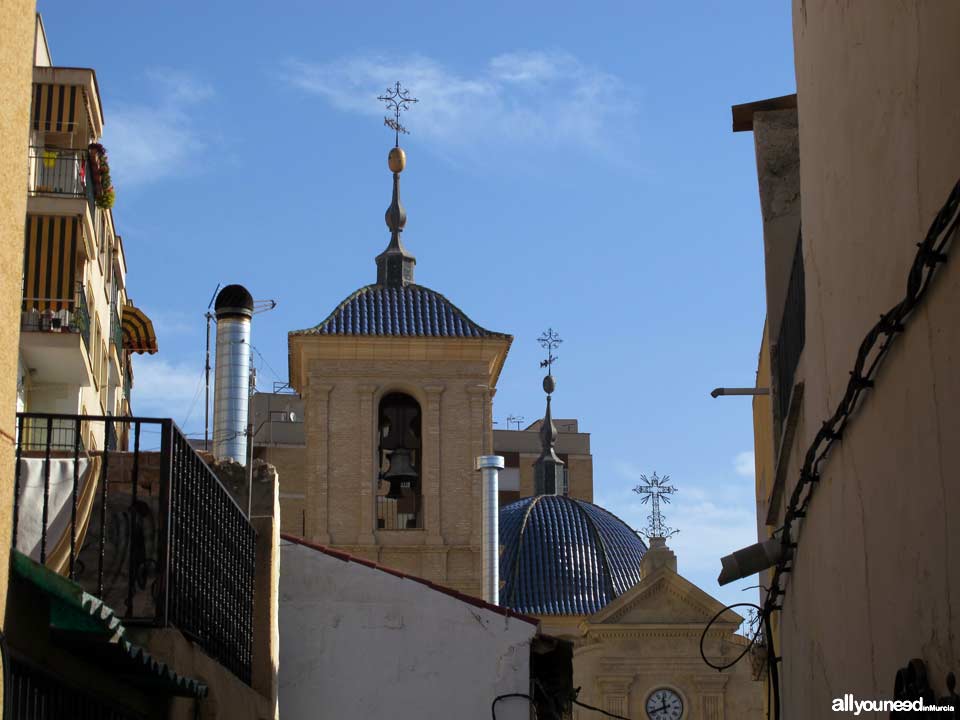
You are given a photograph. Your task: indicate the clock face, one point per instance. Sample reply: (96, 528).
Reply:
(664, 704)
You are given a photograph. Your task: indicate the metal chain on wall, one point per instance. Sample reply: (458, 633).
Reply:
(876, 344)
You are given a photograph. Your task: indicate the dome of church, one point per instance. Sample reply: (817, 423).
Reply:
(399, 310)
(563, 556)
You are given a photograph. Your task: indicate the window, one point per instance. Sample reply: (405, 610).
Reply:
(791, 337)
(399, 456)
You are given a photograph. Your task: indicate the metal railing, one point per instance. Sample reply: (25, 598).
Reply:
(792, 334)
(73, 316)
(56, 171)
(40, 695)
(151, 531)
(400, 514)
(116, 331)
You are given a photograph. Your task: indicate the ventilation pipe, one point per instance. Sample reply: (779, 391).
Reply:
(489, 467)
(231, 390)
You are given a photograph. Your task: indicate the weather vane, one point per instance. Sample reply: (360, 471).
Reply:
(398, 100)
(549, 341)
(656, 488)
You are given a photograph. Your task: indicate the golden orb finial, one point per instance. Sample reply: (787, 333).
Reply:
(397, 160)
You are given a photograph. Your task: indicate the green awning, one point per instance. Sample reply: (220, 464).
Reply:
(84, 621)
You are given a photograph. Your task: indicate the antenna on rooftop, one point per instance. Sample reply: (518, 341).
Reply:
(514, 420)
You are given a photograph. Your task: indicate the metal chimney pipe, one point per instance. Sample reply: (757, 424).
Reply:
(234, 308)
(489, 467)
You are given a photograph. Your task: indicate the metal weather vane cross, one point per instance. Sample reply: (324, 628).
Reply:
(549, 341)
(656, 488)
(397, 100)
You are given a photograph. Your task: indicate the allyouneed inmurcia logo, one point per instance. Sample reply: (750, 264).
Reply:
(849, 704)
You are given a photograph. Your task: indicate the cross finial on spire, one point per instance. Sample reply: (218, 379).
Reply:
(549, 341)
(657, 489)
(397, 100)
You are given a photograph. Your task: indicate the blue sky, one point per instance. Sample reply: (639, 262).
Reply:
(570, 165)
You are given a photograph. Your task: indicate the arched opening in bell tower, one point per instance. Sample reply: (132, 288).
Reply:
(399, 461)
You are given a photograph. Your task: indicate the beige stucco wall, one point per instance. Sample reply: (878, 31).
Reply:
(227, 696)
(358, 642)
(342, 382)
(16, 60)
(875, 579)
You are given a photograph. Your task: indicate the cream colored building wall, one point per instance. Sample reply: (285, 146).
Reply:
(357, 642)
(875, 581)
(345, 379)
(291, 467)
(17, 20)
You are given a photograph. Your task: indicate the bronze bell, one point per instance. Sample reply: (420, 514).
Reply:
(400, 471)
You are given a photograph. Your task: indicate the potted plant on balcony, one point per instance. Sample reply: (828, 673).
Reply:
(104, 193)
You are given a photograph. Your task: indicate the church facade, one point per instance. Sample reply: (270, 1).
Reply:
(397, 386)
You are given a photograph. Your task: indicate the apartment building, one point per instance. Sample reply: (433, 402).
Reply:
(138, 587)
(78, 327)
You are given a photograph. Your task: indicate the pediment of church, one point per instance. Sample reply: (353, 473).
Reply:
(663, 598)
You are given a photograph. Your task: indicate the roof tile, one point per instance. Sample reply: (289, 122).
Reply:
(407, 311)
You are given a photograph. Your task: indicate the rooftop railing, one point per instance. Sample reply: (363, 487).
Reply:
(150, 530)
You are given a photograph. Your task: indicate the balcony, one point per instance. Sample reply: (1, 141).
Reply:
(149, 530)
(55, 337)
(55, 171)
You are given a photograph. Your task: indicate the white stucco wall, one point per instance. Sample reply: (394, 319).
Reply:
(357, 642)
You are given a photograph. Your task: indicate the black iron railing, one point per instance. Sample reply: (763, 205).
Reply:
(62, 315)
(40, 695)
(792, 334)
(151, 531)
(116, 331)
(56, 171)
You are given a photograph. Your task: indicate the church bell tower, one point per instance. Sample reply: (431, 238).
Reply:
(398, 385)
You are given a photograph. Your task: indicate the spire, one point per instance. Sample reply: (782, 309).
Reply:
(549, 473)
(395, 264)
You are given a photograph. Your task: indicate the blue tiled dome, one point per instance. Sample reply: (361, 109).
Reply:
(406, 310)
(561, 556)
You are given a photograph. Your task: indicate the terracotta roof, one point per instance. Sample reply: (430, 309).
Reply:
(406, 311)
(469, 599)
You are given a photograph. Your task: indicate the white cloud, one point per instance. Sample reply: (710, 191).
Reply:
(743, 464)
(166, 390)
(543, 99)
(150, 140)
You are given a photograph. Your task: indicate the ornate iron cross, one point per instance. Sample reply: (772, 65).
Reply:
(397, 100)
(549, 341)
(656, 489)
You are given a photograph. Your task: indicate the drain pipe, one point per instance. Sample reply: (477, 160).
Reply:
(489, 467)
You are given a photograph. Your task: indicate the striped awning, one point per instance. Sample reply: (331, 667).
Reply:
(50, 263)
(56, 107)
(138, 334)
